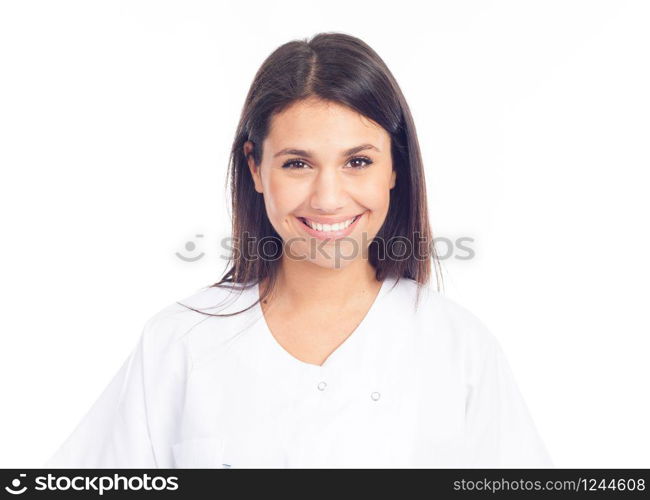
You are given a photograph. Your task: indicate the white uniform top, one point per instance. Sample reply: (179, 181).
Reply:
(408, 388)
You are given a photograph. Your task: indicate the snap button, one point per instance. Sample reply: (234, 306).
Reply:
(375, 396)
(321, 386)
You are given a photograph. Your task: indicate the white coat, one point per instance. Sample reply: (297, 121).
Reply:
(408, 388)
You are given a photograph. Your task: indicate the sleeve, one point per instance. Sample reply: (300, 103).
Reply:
(500, 431)
(115, 432)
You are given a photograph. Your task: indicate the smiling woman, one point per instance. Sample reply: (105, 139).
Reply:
(329, 346)
(326, 190)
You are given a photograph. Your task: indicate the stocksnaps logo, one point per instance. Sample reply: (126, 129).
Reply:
(15, 488)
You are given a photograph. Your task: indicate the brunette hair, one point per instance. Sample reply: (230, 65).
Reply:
(343, 69)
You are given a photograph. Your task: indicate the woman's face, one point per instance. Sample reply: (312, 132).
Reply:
(324, 163)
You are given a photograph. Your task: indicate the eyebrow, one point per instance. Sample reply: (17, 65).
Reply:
(309, 154)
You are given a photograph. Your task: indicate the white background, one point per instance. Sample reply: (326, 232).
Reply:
(116, 120)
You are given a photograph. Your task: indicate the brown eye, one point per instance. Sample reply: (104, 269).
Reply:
(358, 163)
(291, 164)
(366, 162)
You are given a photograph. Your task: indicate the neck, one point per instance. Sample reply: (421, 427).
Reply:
(304, 285)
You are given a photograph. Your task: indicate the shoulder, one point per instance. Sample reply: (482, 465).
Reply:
(448, 333)
(171, 325)
(444, 319)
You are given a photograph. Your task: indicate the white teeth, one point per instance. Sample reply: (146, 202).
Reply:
(329, 227)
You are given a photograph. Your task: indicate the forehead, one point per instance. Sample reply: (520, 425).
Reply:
(314, 124)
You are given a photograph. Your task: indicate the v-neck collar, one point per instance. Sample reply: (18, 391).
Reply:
(336, 357)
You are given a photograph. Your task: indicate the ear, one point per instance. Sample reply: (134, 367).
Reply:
(254, 169)
(393, 177)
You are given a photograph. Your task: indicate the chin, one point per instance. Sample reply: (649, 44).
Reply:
(332, 263)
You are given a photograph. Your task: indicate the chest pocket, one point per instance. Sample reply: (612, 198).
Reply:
(199, 453)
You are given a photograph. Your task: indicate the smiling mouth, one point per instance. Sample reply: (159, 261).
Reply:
(329, 228)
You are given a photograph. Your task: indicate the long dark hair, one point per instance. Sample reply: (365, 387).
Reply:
(340, 68)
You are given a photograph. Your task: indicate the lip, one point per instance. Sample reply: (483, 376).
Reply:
(330, 235)
(329, 220)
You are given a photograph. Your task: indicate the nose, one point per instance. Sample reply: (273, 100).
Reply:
(329, 193)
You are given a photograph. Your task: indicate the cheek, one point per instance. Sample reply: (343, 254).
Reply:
(281, 196)
(374, 194)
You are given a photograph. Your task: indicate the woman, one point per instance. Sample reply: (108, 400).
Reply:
(324, 345)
